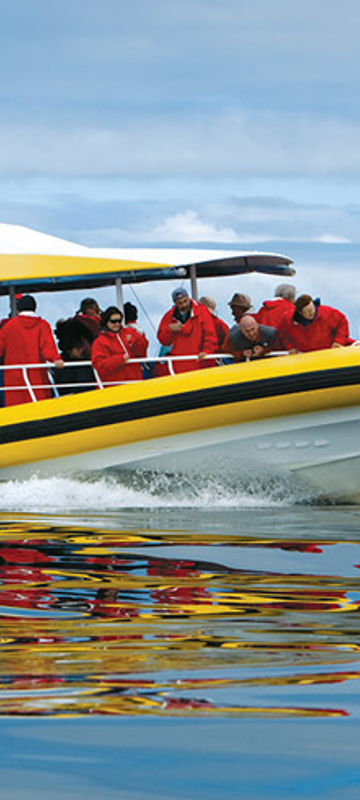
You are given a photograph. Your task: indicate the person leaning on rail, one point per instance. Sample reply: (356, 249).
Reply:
(27, 339)
(314, 327)
(249, 340)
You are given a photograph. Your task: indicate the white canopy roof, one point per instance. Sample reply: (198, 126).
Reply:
(35, 261)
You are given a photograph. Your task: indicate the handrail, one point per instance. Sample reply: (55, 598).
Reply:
(30, 388)
(142, 360)
(98, 383)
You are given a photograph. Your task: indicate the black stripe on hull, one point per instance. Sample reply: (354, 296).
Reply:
(185, 401)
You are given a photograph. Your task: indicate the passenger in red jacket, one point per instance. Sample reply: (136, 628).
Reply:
(221, 328)
(114, 347)
(314, 327)
(189, 329)
(89, 315)
(240, 305)
(27, 339)
(272, 311)
(131, 321)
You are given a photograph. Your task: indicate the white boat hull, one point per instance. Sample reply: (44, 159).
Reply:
(296, 414)
(321, 448)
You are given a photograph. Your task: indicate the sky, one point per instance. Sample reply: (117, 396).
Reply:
(168, 122)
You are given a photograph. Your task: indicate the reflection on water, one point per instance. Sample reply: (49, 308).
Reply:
(188, 622)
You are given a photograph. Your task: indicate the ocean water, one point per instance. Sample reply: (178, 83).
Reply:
(165, 637)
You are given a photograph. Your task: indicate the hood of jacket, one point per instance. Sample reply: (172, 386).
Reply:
(29, 320)
(271, 304)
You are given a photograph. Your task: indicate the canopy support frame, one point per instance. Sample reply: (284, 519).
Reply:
(193, 282)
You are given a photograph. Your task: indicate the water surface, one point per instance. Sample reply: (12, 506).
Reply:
(221, 620)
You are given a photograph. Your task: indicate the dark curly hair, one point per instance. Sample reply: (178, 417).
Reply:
(130, 312)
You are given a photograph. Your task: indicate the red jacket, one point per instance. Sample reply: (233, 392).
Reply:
(272, 312)
(140, 341)
(329, 326)
(197, 335)
(222, 330)
(93, 324)
(26, 339)
(109, 351)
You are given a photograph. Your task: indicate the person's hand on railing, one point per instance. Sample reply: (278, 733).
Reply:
(59, 363)
(258, 351)
(202, 356)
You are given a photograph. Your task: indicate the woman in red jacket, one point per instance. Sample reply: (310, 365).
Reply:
(114, 347)
(314, 327)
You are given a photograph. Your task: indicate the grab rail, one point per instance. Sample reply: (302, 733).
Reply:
(97, 383)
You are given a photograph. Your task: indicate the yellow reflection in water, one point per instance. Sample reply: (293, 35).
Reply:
(88, 626)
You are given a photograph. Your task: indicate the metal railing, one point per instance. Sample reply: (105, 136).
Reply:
(98, 383)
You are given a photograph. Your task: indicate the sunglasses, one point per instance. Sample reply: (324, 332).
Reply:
(115, 320)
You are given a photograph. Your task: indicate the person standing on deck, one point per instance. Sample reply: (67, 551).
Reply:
(131, 322)
(240, 305)
(27, 339)
(273, 311)
(189, 328)
(115, 347)
(89, 314)
(221, 328)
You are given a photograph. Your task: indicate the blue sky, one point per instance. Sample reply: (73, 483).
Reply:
(160, 121)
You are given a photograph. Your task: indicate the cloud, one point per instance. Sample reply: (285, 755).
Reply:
(231, 144)
(188, 227)
(232, 221)
(329, 238)
(104, 213)
(86, 55)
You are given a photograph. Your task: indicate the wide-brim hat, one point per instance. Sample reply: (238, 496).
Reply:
(240, 300)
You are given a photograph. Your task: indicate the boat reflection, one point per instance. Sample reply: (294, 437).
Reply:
(94, 622)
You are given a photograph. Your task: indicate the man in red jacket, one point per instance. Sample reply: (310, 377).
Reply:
(27, 339)
(240, 305)
(272, 311)
(189, 329)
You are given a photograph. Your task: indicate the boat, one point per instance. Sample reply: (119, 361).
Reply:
(298, 414)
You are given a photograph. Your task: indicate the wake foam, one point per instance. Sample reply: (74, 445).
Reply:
(144, 489)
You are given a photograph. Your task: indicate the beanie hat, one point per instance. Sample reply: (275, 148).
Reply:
(26, 303)
(178, 293)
